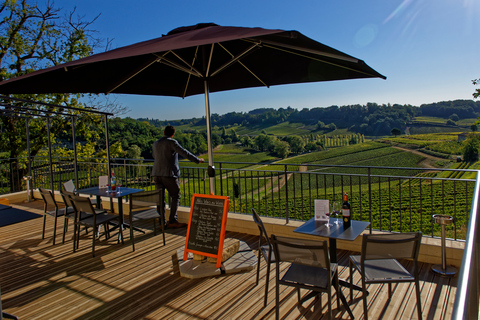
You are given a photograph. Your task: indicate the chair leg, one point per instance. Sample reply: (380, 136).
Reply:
(74, 234)
(93, 239)
(277, 300)
(267, 282)
(329, 302)
(419, 301)
(258, 266)
(337, 288)
(130, 220)
(44, 222)
(65, 228)
(350, 267)
(55, 230)
(162, 223)
(364, 295)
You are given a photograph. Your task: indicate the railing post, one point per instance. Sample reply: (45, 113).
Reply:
(221, 180)
(286, 195)
(370, 199)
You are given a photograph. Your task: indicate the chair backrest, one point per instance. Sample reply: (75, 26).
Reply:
(261, 227)
(391, 246)
(145, 199)
(69, 186)
(82, 204)
(47, 197)
(67, 198)
(301, 251)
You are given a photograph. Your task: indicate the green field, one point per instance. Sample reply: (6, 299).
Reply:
(397, 204)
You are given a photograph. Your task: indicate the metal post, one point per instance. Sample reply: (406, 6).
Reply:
(209, 138)
(75, 162)
(29, 160)
(443, 269)
(286, 194)
(370, 199)
(50, 154)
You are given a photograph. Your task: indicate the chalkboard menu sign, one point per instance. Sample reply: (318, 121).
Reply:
(206, 227)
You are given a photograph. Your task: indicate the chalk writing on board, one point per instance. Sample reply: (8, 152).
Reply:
(206, 224)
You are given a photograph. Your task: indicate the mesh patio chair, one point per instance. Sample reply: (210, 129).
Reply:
(310, 268)
(69, 186)
(67, 200)
(265, 250)
(49, 201)
(146, 205)
(378, 263)
(95, 220)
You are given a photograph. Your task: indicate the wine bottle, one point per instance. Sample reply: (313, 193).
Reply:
(113, 182)
(346, 212)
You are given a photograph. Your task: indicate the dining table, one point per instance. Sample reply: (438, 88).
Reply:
(334, 232)
(107, 193)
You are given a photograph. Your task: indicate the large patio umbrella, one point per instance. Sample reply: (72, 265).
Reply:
(198, 60)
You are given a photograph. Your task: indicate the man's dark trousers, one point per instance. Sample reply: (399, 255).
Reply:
(173, 187)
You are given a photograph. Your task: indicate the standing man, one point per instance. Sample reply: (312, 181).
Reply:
(166, 170)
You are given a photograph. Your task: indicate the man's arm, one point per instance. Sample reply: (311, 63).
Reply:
(186, 154)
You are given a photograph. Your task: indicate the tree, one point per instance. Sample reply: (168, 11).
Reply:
(34, 36)
(454, 117)
(474, 127)
(396, 132)
(264, 143)
(476, 94)
(311, 146)
(470, 148)
(281, 149)
(296, 143)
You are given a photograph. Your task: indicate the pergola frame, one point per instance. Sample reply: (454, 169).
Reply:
(26, 113)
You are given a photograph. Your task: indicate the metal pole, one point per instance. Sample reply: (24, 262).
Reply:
(50, 154)
(108, 148)
(74, 139)
(209, 137)
(29, 161)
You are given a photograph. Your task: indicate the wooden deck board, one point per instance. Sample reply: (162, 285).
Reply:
(42, 281)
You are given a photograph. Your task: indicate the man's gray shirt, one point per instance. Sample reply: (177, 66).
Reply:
(165, 154)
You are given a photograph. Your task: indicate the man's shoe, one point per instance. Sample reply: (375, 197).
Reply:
(176, 224)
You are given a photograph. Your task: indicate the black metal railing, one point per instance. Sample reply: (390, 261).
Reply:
(391, 198)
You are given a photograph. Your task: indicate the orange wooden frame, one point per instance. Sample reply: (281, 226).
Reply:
(222, 229)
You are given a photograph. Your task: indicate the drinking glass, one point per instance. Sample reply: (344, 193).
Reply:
(119, 184)
(328, 224)
(336, 210)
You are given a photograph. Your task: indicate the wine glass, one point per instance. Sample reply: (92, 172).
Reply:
(119, 184)
(328, 224)
(336, 210)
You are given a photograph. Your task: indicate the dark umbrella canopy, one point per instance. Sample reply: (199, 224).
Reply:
(197, 60)
(178, 63)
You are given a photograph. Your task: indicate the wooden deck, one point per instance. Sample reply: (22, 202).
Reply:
(43, 281)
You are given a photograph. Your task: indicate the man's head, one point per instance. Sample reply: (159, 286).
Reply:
(169, 131)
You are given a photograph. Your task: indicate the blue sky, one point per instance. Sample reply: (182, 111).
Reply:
(428, 49)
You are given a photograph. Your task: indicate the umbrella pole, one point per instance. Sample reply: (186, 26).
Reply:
(211, 168)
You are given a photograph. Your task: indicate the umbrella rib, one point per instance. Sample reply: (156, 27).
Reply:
(320, 60)
(192, 68)
(321, 53)
(243, 65)
(132, 75)
(235, 58)
(189, 74)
